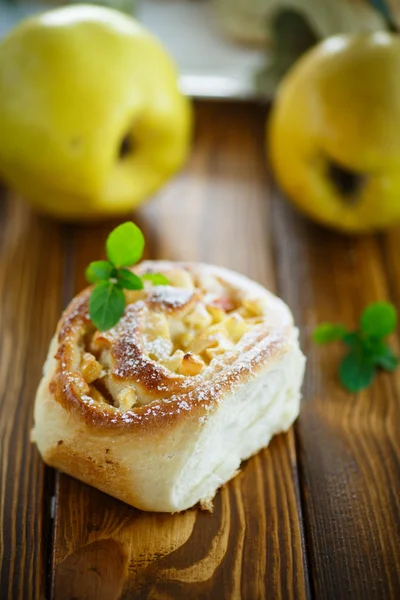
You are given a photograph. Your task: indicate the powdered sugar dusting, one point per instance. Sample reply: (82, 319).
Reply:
(131, 359)
(166, 297)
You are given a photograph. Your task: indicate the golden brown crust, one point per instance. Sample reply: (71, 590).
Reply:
(160, 410)
(169, 395)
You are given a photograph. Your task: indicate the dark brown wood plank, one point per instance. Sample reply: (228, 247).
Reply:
(251, 546)
(30, 300)
(349, 445)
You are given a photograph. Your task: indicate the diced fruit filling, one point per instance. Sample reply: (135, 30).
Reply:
(186, 326)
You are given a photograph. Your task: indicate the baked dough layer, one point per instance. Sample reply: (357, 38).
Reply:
(160, 410)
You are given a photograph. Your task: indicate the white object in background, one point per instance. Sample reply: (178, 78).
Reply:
(210, 66)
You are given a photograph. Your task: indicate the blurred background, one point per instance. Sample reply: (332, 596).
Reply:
(236, 48)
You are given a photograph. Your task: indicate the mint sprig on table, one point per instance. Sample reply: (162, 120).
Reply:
(124, 248)
(367, 346)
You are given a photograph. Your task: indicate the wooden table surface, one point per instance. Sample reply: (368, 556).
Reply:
(317, 514)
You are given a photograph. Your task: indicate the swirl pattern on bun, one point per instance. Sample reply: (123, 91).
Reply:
(160, 410)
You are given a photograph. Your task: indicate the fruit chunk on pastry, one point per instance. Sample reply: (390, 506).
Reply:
(160, 410)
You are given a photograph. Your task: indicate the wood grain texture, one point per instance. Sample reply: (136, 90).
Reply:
(30, 300)
(251, 546)
(349, 445)
(341, 471)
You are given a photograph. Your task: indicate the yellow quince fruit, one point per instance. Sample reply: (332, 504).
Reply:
(91, 117)
(334, 132)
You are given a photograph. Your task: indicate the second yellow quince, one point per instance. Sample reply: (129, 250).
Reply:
(91, 117)
(334, 133)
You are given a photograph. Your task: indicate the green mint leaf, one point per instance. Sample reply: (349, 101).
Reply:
(328, 332)
(353, 340)
(356, 371)
(156, 278)
(128, 280)
(378, 319)
(124, 246)
(374, 350)
(387, 359)
(99, 270)
(367, 349)
(106, 305)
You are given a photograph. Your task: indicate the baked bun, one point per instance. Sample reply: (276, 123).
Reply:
(160, 410)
